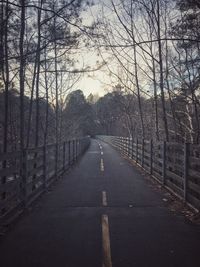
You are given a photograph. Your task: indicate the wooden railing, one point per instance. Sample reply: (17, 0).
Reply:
(25, 175)
(175, 165)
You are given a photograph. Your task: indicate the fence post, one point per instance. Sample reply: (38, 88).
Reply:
(80, 146)
(69, 154)
(64, 155)
(127, 146)
(24, 167)
(164, 162)
(151, 156)
(44, 168)
(127, 142)
(56, 160)
(142, 163)
(136, 150)
(73, 151)
(132, 148)
(76, 149)
(186, 162)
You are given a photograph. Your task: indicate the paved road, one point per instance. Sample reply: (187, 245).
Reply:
(103, 213)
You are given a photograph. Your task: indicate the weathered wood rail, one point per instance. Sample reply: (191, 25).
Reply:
(25, 175)
(175, 165)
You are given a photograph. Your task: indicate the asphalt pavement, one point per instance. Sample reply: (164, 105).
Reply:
(102, 213)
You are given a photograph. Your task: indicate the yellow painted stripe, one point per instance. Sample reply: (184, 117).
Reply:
(102, 165)
(104, 198)
(107, 261)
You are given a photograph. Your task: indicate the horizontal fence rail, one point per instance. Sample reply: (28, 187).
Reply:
(175, 165)
(25, 175)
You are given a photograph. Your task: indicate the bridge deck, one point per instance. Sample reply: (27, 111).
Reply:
(102, 203)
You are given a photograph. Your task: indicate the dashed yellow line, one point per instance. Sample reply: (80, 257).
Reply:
(104, 199)
(107, 261)
(102, 165)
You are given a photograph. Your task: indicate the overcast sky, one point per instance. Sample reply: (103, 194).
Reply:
(98, 81)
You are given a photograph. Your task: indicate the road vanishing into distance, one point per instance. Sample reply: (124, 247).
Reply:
(102, 213)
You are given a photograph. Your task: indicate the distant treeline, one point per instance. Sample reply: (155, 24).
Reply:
(74, 119)
(116, 113)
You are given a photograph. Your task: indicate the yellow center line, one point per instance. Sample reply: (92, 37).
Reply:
(107, 261)
(102, 165)
(101, 152)
(104, 199)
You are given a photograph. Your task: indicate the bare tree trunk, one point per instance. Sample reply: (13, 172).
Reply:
(136, 71)
(168, 85)
(155, 101)
(31, 104)
(155, 93)
(61, 110)
(194, 104)
(37, 117)
(56, 88)
(21, 74)
(138, 92)
(13, 130)
(6, 79)
(161, 73)
(47, 99)
(46, 115)
(2, 38)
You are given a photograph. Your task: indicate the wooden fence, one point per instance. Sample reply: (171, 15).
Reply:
(25, 175)
(175, 165)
